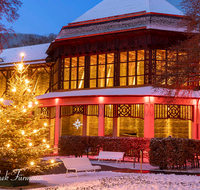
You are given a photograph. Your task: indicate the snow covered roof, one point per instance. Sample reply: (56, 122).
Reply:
(153, 21)
(112, 16)
(140, 91)
(109, 8)
(32, 54)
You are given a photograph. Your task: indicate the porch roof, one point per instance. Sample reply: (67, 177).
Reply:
(35, 54)
(138, 91)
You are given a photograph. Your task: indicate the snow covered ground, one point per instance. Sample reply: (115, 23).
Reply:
(114, 181)
(123, 181)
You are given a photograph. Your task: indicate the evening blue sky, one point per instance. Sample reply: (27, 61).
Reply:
(48, 16)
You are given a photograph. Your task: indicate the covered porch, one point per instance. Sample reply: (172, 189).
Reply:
(120, 112)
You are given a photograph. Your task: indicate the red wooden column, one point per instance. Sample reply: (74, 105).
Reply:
(115, 121)
(101, 126)
(115, 127)
(194, 123)
(198, 120)
(148, 118)
(57, 126)
(84, 125)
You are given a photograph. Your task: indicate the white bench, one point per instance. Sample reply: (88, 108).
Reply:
(79, 165)
(118, 156)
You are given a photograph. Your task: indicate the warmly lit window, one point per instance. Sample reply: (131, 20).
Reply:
(140, 67)
(172, 117)
(93, 71)
(102, 70)
(81, 72)
(110, 70)
(171, 58)
(132, 68)
(165, 61)
(40, 76)
(130, 120)
(123, 68)
(67, 73)
(74, 72)
(161, 62)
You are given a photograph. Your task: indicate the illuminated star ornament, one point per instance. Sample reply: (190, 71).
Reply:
(77, 124)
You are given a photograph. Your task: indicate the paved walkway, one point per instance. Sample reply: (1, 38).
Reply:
(145, 166)
(128, 165)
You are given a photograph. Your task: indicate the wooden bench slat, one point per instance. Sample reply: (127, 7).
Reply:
(79, 164)
(118, 156)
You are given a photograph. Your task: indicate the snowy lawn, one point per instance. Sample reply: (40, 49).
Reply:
(111, 180)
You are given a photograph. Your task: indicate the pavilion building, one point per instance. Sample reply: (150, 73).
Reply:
(102, 66)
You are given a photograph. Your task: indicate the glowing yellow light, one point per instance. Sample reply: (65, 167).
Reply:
(30, 144)
(32, 163)
(22, 54)
(23, 132)
(8, 121)
(14, 89)
(48, 146)
(8, 145)
(45, 124)
(36, 102)
(26, 81)
(52, 161)
(44, 140)
(101, 99)
(28, 90)
(20, 67)
(1, 99)
(35, 131)
(30, 104)
(14, 106)
(24, 110)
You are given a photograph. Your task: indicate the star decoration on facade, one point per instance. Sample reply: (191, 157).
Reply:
(77, 124)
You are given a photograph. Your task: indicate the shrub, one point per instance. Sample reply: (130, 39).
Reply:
(173, 152)
(79, 145)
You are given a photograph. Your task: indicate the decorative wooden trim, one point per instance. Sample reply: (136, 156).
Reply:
(87, 72)
(182, 112)
(125, 110)
(116, 68)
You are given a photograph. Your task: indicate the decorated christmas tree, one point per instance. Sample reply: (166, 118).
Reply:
(23, 130)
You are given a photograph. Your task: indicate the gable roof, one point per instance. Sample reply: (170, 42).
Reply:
(109, 8)
(32, 53)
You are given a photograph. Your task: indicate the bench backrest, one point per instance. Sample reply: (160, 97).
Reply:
(111, 154)
(76, 162)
